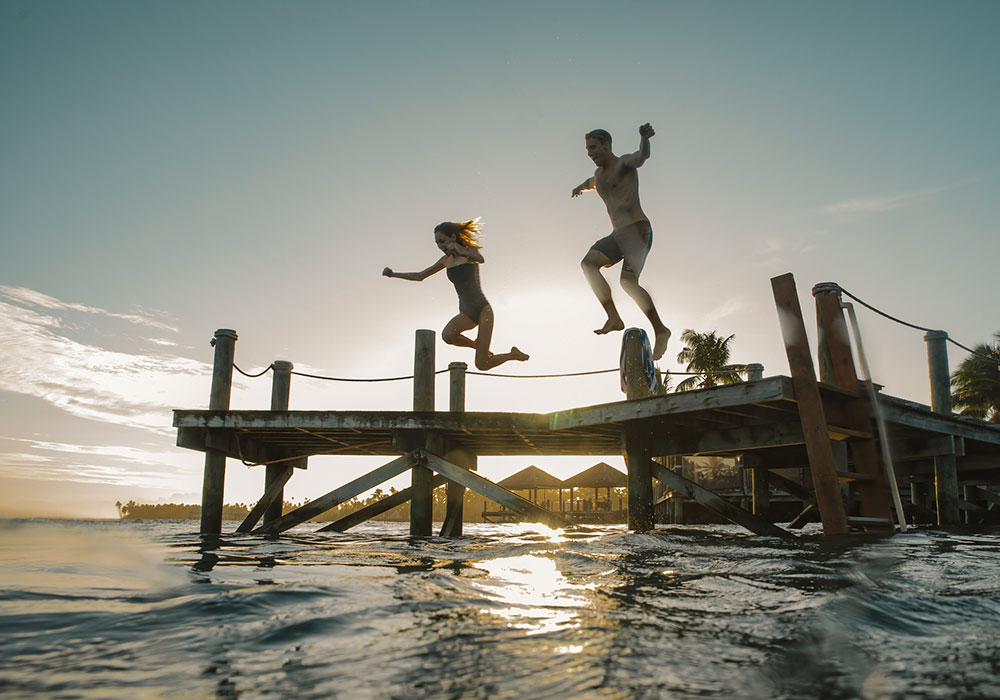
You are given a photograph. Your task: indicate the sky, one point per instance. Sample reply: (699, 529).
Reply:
(170, 168)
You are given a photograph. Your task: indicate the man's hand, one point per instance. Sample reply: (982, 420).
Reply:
(646, 131)
(587, 184)
(387, 272)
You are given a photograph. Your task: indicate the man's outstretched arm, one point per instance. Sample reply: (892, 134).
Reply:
(587, 184)
(634, 160)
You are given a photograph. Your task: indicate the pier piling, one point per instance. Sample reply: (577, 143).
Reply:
(213, 486)
(945, 468)
(454, 511)
(637, 447)
(421, 478)
(281, 382)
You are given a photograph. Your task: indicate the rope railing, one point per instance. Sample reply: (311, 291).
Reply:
(351, 379)
(915, 326)
(735, 370)
(253, 376)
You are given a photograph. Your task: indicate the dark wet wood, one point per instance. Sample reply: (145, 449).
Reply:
(811, 415)
(715, 503)
(373, 510)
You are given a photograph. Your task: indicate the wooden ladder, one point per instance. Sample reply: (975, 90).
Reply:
(835, 413)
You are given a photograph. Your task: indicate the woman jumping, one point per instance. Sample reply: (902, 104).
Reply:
(462, 257)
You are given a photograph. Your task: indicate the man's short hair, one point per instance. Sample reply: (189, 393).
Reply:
(601, 135)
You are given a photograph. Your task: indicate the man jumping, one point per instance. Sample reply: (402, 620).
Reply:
(617, 182)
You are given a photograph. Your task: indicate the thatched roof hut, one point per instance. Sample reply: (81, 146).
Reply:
(530, 478)
(601, 475)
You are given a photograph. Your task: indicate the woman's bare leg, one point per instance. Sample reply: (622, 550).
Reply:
(484, 358)
(591, 264)
(633, 244)
(452, 332)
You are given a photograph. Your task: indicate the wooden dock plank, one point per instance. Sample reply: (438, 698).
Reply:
(769, 389)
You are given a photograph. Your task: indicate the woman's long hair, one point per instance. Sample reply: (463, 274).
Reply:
(465, 232)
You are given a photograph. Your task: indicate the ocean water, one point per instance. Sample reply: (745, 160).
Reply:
(148, 610)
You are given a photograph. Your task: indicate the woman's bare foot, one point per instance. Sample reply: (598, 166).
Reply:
(660, 342)
(613, 324)
(516, 354)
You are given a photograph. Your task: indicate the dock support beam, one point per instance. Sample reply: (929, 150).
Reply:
(810, 406)
(454, 508)
(945, 467)
(421, 478)
(637, 444)
(281, 383)
(213, 486)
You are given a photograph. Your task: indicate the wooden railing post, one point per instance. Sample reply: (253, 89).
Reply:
(213, 486)
(421, 478)
(281, 383)
(637, 449)
(945, 467)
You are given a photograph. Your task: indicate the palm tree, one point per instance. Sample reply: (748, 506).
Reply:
(707, 352)
(975, 385)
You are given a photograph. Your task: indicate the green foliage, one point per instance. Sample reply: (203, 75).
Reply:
(975, 385)
(708, 352)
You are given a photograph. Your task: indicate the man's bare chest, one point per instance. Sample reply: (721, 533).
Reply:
(614, 184)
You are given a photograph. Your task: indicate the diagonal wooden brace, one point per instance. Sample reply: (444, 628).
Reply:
(345, 492)
(473, 481)
(713, 502)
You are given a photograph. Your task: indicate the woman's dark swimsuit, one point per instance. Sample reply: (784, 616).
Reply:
(471, 301)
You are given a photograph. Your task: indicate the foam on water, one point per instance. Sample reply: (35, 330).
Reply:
(146, 609)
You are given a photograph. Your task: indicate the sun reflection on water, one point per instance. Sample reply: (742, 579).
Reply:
(536, 595)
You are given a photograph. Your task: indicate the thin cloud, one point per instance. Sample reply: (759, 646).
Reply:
(130, 389)
(24, 295)
(877, 204)
(729, 307)
(112, 464)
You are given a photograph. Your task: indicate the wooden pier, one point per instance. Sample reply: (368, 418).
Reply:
(860, 446)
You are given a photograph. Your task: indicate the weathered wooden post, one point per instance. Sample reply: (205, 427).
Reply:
(213, 486)
(761, 492)
(810, 406)
(637, 452)
(281, 383)
(945, 467)
(421, 478)
(454, 511)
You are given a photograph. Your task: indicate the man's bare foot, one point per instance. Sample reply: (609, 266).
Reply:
(613, 324)
(660, 342)
(516, 354)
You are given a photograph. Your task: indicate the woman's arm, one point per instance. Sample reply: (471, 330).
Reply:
(416, 276)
